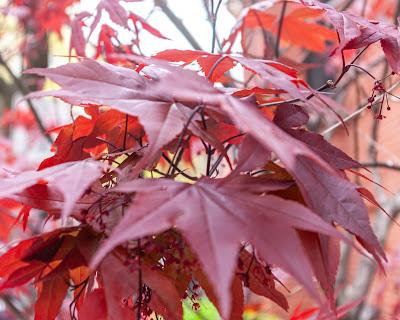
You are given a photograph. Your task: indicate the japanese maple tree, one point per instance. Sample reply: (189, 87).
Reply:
(177, 179)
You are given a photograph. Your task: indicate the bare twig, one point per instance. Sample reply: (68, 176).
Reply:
(11, 306)
(217, 163)
(177, 154)
(362, 282)
(177, 169)
(277, 103)
(178, 24)
(264, 33)
(381, 165)
(367, 268)
(214, 66)
(125, 131)
(347, 5)
(328, 84)
(356, 113)
(280, 26)
(140, 281)
(396, 14)
(214, 14)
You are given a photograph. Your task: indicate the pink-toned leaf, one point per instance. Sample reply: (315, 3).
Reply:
(328, 194)
(119, 284)
(78, 41)
(71, 179)
(218, 213)
(259, 278)
(357, 32)
(167, 299)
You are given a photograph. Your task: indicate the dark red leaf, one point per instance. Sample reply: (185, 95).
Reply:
(159, 205)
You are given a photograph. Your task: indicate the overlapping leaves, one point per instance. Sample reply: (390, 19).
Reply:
(154, 101)
(284, 212)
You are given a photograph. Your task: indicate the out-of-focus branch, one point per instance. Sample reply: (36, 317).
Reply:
(381, 165)
(396, 13)
(280, 26)
(345, 252)
(21, 87)
(366, 269)
(162, 4)
(347, 5)
(214, 14)
(359, 287)
(12, 308)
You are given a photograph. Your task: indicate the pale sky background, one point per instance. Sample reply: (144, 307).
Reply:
(191, 12)
(194, 17)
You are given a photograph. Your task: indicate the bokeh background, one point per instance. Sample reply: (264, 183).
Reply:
(37, 33)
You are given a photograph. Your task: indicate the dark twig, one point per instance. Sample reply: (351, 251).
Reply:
(214, 66)
(347, 5)
(25, 91)
(209, 152)
(177, 169)
(362, 69)
(177, 154)
(140, 281)
(217, 163)
(11, 306)
(311, 95)
(396, 13)
(381, 165)
(280, 26)
(214, 14)
(325, 86)
(346, 68)
(264, 33)
(125, 131)
(359, 110)
(178, 24)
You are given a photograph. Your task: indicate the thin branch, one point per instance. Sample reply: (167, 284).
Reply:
(215, 65)
(347, 5)
(280, 26)
(356, 113)
(177, 169)
(140, 281)
(264, 32)
(362, 69)
(396, 14)
(361, 284)
(180, 139)
(25, 91)
(178, 24)
(364, 7)
(209, 152)
(346, 68)
(217, 163)
(277, 103)
(381, 165)
(214, 14)
(366, 269)
(11, 306)
(345, 250)
(328, 84)
(125, 131)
